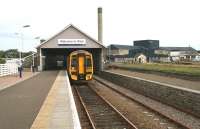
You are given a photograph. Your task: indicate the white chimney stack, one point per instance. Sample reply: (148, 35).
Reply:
(100, 25)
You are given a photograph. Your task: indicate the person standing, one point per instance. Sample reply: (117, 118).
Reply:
(20, 71)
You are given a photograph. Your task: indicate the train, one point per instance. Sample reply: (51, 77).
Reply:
(80, 66)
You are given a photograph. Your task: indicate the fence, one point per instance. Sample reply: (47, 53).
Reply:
(8, 69)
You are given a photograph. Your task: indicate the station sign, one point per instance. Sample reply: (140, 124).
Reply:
(71, 41)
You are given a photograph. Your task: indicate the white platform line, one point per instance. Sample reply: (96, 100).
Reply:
(75, 118)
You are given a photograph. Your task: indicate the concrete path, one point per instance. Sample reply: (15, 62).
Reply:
(20, 104)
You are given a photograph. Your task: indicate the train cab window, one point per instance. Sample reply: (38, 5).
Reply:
(74, 62)
(88, 62)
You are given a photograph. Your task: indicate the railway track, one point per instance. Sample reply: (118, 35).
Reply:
(101, 114)
(180, 125)
(84, 120)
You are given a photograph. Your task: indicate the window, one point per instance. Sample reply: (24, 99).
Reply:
(74, 62)
(88, 62)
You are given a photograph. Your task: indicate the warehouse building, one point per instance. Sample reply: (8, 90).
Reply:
(171, 54)
(117, 53)
(149, 44)
(115, 49)
(143, 50)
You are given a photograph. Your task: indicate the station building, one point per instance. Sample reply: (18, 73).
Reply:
(53, 53)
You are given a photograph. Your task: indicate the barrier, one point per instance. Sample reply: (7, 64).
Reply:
(8, 69)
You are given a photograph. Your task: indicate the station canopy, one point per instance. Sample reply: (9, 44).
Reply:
(53, 53)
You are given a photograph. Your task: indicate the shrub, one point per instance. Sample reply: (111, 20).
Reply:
(2, 61)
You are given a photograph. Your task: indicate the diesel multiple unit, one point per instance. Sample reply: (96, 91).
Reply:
(80, 65)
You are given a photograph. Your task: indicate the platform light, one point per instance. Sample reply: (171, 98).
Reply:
(22, 40)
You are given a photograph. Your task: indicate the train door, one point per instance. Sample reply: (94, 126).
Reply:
(81, 68)
(81, 64)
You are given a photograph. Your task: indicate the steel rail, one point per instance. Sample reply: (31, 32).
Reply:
(115, 109)
(85, 108)
(106, 102)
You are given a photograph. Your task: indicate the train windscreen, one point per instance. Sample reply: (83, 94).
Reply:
(74, 62)
(88, 62)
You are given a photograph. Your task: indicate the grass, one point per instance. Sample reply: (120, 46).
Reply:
(193, 70)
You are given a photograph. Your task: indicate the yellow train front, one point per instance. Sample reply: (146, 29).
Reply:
(80, 66)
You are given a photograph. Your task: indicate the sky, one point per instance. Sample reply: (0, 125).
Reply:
(175, 23)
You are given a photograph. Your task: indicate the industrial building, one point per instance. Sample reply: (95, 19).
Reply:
(141, 51)
(117, 53)
(149, 44)
(146, 47)
(115, 49)
(53, 53)
(170, 54)
(144, 51)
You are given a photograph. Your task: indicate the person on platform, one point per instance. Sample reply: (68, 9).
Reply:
(20, 71)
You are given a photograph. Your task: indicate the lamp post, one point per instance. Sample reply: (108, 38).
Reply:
(33, 55)
(33, 59)
(33, 65)
(109, 53)
(19, 44)
(20, 51)
(22, 40)
(38, 40)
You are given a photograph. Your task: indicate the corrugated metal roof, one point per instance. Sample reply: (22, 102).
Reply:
(177, 48)
(117, 46)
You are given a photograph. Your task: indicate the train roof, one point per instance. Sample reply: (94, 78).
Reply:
(80, 51)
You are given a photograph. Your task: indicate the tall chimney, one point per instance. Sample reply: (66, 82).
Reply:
(100, 25)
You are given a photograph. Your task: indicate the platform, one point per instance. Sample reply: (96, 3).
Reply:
(42, 101)
(10, 80)
(58, 110)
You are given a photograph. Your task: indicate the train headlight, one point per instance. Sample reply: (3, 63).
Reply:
(73, 77)
(88, 77)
